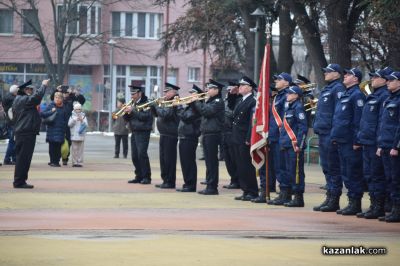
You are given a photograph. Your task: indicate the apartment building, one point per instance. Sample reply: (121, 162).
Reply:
(134, 26)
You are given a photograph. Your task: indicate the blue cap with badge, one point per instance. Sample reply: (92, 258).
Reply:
(355, 72)
(332, 68)
(295, 90)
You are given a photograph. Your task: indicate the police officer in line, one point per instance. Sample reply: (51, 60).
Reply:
(329, 156)
(212, 123)
(241, 135)
(141, 124)
(346, 124)
(232, 99)
(26, 126)
(367, 135)
(292, 142)
(167, 125)
(188, 134)
(282, 82)
(389, 145)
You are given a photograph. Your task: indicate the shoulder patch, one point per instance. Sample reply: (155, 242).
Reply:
(360, 103)
(217, 100)
(302, 116)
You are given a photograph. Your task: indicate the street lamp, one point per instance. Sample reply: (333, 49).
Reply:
(258, 13)
(111, 42)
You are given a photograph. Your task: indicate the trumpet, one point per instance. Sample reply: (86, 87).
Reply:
(121, 112)
(185, 100)
(308, 87)
(146, 106)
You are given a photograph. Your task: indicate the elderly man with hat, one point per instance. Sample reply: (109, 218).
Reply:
(241, 134)
(212, 123)
(26, 126)
(9, 158)
(389, 145)
(188, 134)
(292, 142)
(141, 124)
(277, 162)
(328, 152)
(167, 125)
(346, 124)
(373, 169)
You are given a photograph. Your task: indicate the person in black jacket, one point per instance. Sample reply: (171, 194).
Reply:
(241, 134)
(167, 125)
(141, 124)
(188, 134)
(26, 127)
(212, 123)
(9, 158)
(232, 99)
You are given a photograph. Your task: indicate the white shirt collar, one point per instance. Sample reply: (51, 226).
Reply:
(247, 95)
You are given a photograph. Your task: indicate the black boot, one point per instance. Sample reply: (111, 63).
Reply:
(297, 201)
(371, 207)
(318, 208)
(377, 210)
(388, 204)
(332, 205)
(284, 196)
(261, 197)
(394, 216)
(353, 208)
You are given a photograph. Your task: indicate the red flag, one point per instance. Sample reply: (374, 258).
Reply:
(259, 131)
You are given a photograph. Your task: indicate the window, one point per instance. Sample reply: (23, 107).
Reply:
(6, 21)
(193, 74)
(30, 18)
(80, 19)
(136, 25)
(172, 76)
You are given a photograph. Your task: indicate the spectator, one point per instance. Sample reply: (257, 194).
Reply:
(8, 100)
(78, 124)
(120, 132)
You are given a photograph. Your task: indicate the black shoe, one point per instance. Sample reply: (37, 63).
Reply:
(332, 205)
(208, 191)
(186, 189)
(76, 165)
(204, 182)
(394, 216)
(55, 165)
(135, 181)
(241, 197)
(8, 163)
(261, 198)
(145, 181)
(377, 210)
(65, 162)
(116, 156)
(353, 208)
(231, 186)
(297, 201)
(284, 197)
(318, 208)
(166, 186)
(26, 186)
(249, 197)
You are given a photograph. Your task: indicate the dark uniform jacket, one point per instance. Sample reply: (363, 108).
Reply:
(242, 120)
(120, 126)
(26, 116)
(56, 131)
(297, 120)
(346, 120)
(370, 116)
(389, 127)
(189, 124)
(279, 101)
(167, 120)
(213, 115)
(8, 101)
(327, 101)
(140, 120)
(231, 101)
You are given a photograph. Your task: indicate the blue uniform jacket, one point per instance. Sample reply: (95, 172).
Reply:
(280, 99)
(296, 118)
(346, 120)
(389, 129)
(369, 122)
(327, 101)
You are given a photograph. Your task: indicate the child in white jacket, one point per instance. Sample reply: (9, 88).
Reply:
(78, 124)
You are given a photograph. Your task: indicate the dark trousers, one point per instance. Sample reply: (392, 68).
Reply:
(335, 177)
(395, 186)
(211, 143)
(295, 169)
(124, 139)
(55, 152)
(377, 182)
(10, 153)
(351, 169)
(324, 141)
(140, 159)
(168, 154)
(187, 155)
(271, 175)
(390, 169)
(229, 157)
(24, 147)
(246, 170)
(278, 166)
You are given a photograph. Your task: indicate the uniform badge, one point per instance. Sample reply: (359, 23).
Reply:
(391, 112)
(325, 99)
(372, 108)
(343, 107)
(217, 100)
(360, 103)
(286, 104)
(339, 95)
(302, 116)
